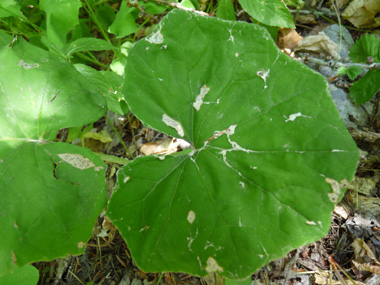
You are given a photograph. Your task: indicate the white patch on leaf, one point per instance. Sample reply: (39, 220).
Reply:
(26, 65)
(242, 184)
(199, 99)
(263, 75)
(174, 124)
(156, 38)
(76, 160)
(336, 187)
(231, 38)
(191, 216)
(191, 239)
(213, 266)
(311, 223)
(294, 116)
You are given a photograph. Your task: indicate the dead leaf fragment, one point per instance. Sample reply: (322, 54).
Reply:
(361, 13)
(320, 44)
(164, 146)
(102, 136)
(288, 38)
(76, 160)
(361, 250)
(367, 267)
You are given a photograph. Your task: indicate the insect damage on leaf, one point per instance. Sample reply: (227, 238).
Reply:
(28, 65)
(76, 160)
(213, 266)
(199, 99)
(174, 124)
(263, 75)
(292, 117)
(191, 216)
(336, 188)
(156, 38)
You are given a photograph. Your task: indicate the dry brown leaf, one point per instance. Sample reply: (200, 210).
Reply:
(319, 43)
(102, 136)
(288, 38)
(164, 146)
(367, 267)
(361, 13)
(361, 250)
(308, 19)
(322, 278)
(362, 185)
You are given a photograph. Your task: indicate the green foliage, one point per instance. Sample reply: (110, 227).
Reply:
(61, 17)
(352, 72)
(226, 10)
(269, 12)
(256, 181)
(125, 21)
(51, 192)
(27, 275)
(366, 87)
(367, 45)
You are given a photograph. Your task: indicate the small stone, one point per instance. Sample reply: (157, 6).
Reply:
(370, 60)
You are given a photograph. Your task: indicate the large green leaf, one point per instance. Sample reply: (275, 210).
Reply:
(267, 144)
(51, 193)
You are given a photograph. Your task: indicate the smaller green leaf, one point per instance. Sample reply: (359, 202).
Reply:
(81, 31)
(187, 4)
(269, 12)
(125, 24)
(109, 84)
(366, 87)
(61, 17)
(342, 70)
(354, 71)
(367, 45)
(77, 133)
(86, 44)
(295, 3)
(26, 275)
(226, 10)
(5, 39)
(106, 16)
(10, 8)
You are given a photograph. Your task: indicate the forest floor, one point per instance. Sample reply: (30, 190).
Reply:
(347, 255)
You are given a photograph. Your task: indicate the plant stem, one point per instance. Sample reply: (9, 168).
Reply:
(95, 61)
(118, 135)
(96, 21)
